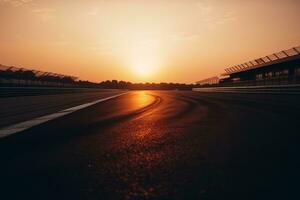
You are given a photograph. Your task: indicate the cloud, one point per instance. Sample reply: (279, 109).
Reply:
(184, 36)
(59, 43)
(212, 16)
(205, 8)
(102, 50)
(17, 3)
(45, 14)
(228, 17)
(93, 12)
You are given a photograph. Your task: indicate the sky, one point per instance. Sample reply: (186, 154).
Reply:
(144, 40)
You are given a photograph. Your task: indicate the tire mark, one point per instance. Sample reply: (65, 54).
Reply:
(125, 117)
(190, 105)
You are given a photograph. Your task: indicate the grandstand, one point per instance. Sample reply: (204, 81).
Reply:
(282, 68)
(10, 75)
(275, 69)
(209, 81)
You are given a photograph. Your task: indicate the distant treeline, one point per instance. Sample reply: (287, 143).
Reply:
(114, 84)
(30, 75)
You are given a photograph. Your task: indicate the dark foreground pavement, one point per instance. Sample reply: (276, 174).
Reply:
(160, 145)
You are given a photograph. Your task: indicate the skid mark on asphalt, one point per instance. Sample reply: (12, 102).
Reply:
(136, 114)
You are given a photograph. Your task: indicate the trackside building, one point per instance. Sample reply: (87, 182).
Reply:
(276, 69)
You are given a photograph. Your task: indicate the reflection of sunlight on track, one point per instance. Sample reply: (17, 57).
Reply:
(143, 119)
(141, 99)
(146, 102)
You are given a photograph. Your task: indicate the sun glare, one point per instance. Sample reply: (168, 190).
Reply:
(143, 70)
(144, 64)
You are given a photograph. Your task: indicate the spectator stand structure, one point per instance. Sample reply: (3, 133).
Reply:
(276, 69)
(275, 73)
(209, 81)
(14, 76)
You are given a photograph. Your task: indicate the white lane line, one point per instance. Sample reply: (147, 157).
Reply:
(6, 131)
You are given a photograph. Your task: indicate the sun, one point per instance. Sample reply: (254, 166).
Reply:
(144, 60)
(143, 70)
(144, 66)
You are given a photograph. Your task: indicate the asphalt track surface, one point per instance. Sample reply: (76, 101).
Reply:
(15, 109)
(160, 145)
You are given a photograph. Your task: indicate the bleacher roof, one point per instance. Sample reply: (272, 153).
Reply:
(280, 57)
(36, 72)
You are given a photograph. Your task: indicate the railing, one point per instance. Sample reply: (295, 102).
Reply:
(264, 60)
(35, 73)
(21, 82)
(266, 89)
(283, 80)
(212, 80)
(15, 76)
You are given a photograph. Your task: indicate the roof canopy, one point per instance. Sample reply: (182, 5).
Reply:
(282, 56)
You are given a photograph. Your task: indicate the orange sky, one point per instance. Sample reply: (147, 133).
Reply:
(143, 40)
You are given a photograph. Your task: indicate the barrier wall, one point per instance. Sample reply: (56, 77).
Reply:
(267, 89)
